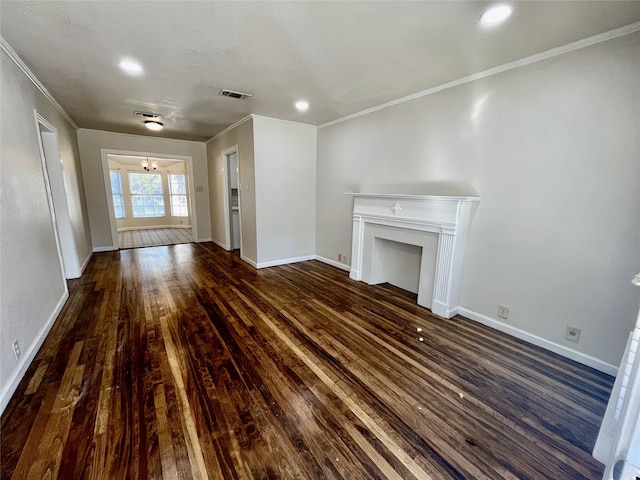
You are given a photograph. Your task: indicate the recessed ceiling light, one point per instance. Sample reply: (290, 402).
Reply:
(495, 15)
(131, 67)
(155, 126)
(302, 106)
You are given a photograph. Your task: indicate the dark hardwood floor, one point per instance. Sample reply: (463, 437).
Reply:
(184, 362)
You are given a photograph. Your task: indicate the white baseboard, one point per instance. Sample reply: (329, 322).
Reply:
(85, 263)
(328, 261)
(541, 342)
(203, 240)
(126, 229)
(285, 261)
(249, 261)
(220, 244)
(17, 375)
(442, 310)
(109, 248)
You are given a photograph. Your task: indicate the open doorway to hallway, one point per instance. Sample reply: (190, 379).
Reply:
(151, 200)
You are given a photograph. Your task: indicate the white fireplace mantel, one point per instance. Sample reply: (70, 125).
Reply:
(415, 220)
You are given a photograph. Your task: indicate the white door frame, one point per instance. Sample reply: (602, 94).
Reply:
(105, 152)
(53, 173)
(226, 196)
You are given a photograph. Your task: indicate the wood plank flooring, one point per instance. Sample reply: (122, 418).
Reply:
(184, 362)
(152, 237)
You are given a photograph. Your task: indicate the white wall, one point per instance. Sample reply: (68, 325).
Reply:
(33, 289)
(285, 165)
(276, 166)
(553, 150)
(92, 141)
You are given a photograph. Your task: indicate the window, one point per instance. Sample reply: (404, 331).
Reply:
(116, 190)
(178, 191)
(147, 199)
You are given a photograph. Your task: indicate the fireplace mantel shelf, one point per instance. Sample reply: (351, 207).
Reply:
(411, 196)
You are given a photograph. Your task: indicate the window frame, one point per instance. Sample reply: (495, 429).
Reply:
(146, 201)
(172, 195)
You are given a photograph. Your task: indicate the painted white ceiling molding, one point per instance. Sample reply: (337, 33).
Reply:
(618, 32)
(22, 66)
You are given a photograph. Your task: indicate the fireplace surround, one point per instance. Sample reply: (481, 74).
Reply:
(436, 224)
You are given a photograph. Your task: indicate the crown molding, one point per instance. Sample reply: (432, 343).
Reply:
(253, 115)
(229, 128)
(122, 134)
(554, 52)
(31, 76)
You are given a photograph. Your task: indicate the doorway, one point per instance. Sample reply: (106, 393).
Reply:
(55, 185)
(232, 204)
(150, 199)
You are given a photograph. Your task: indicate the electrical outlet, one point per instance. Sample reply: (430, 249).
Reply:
(572, 333)
(16, 349)
(503, 311)
(344, 258)
(339, 257)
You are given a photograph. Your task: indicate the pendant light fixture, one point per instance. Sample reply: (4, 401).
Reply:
(149, 166)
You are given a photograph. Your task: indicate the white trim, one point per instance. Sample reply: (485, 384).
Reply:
(285, 261)
(85, 263)
(431, 198)
(515, 332)
(220, 244)
(18, 373)
(202, 240)
(253, 115)
(249, 261)
(104, 154)
(226, 193)
(228, 129)
(333, 263)
(58, 209)
(126, 229)
(142, 136)
(31, 76)
(108, 248)
(579, 357)
(414, 219)
(554, 52)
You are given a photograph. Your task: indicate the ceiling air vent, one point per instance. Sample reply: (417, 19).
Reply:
(230, 93)
(147, 115)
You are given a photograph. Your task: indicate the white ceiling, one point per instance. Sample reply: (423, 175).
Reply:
(342, 57)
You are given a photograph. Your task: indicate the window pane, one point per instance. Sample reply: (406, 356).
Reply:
(116, 185)
(116, 190)
(119, 211)
(179, 206)
(178, 190)
(145, 183)
(177, 184)
(147, 206)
